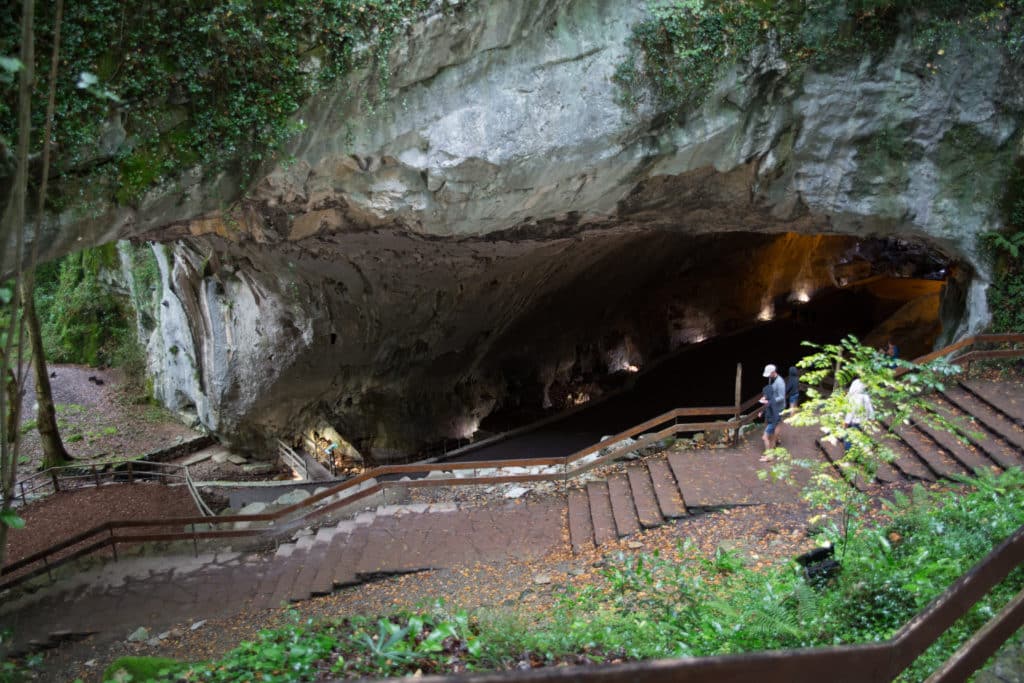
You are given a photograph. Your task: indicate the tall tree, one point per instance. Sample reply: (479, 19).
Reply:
(12, 367)
(54, 453)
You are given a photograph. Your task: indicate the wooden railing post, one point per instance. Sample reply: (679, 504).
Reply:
(113, 541)
(56, 485)
(24, 500)
(739, 403)
(131, 476)
(96, 476)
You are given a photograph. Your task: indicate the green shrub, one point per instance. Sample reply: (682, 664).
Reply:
(685, 45)
(211, 81)
(138, 669)
(83, 320)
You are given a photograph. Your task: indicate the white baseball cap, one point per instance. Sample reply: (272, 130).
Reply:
(768, 370)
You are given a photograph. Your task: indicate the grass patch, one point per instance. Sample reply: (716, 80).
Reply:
(683, 604)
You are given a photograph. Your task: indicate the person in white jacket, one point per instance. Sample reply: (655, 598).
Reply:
(859, 408)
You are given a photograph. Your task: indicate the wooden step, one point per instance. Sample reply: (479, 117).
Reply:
(601, 512)
(907, 461)
(643, 496)
(581, 527)
(939, 461)
(1009, 403)
(834, 452)
(885, 473)
(283, 588)
(302, 589)
(623, 508)
(352, 547)
(968, 455)
(991, 419)
(995, 449)
(272, 570)
(670, 500)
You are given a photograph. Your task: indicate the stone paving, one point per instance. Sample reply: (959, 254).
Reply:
(160, 592)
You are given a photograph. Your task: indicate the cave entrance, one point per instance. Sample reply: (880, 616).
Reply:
(673, 335)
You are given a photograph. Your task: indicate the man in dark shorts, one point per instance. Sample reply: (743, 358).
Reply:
(772, 418)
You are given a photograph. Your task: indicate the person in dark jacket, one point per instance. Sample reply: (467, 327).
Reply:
(772, 419)
(793, 388)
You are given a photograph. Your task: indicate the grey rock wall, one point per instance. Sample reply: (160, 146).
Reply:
(408, 246)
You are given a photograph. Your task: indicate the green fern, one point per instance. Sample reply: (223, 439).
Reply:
(1010, 244)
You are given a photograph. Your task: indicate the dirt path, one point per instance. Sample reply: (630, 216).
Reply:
(96, 419)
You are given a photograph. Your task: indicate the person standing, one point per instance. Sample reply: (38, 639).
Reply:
(772, 418)
(859, 408)
(778, 386)
(793, 388)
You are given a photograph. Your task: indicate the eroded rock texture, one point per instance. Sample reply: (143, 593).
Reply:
(504, 221)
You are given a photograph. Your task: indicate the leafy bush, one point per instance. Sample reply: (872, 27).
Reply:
(83, 320)
(1006, 294)
(686, 44)
(140, 668)
(210, 81)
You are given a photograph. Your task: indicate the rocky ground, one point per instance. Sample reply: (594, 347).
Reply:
(68, 513)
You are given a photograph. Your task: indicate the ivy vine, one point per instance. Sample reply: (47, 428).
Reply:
(685, 45)
(211, 82)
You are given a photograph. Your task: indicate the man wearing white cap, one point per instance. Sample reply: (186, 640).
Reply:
(776, 389)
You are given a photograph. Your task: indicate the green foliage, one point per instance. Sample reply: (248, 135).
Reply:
(215, 82)
(10, 519)
(140, 668)
(17, 670)
(1006, 295)
(82, 319)
(686, 45)
(897, 390)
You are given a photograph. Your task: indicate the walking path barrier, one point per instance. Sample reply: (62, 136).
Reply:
(428, 475)
(86, 475)
(841, 664)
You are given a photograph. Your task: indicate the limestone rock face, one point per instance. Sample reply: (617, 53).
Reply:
(405, 268)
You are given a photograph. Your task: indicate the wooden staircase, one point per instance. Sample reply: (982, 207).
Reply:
(648, 494)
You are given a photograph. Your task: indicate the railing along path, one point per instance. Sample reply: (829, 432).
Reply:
(874, 662)
(370, 482)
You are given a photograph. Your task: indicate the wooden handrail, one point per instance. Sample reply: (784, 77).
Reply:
(111, 537)
(309, 505)
(838, 664)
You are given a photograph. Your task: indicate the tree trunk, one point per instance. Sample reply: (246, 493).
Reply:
(54, 454)
(13, 224)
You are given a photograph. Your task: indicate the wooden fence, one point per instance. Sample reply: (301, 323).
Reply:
(70, 477)
(878, 661)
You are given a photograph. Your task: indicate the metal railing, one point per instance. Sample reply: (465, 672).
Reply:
(293, 460)
(89, 475)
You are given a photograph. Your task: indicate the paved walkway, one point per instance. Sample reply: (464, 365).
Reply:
(163, 591)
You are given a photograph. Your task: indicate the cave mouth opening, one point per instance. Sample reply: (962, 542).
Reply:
(669, 319)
